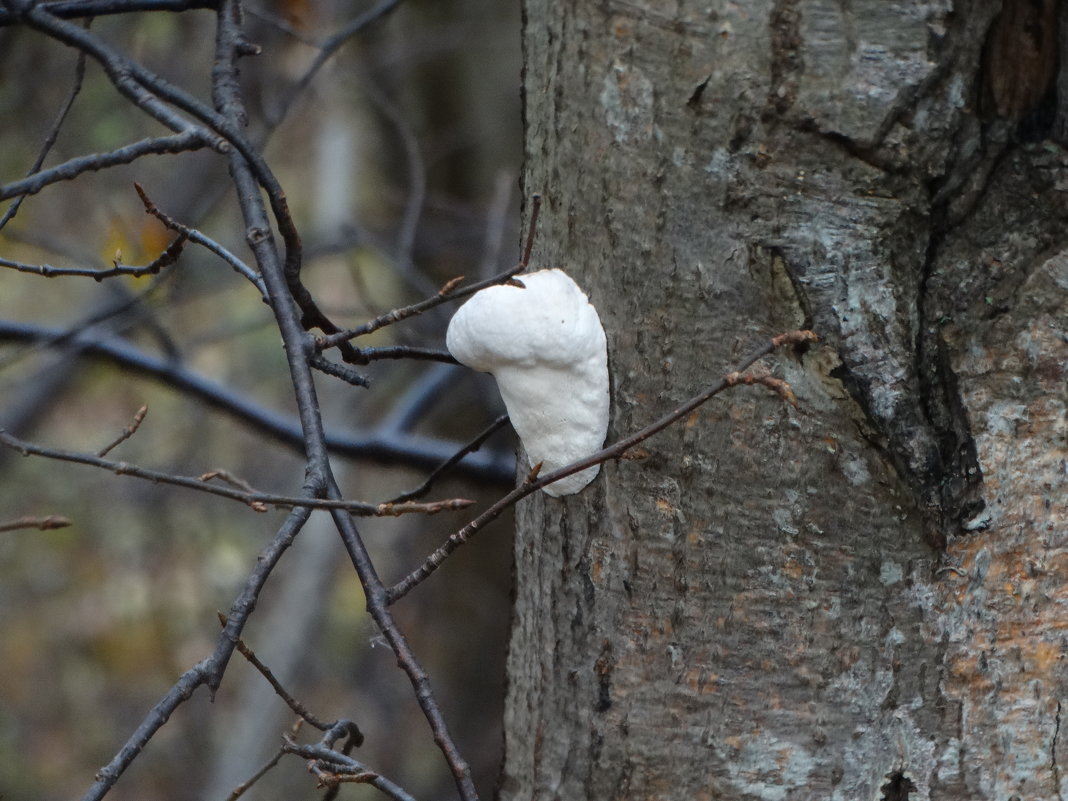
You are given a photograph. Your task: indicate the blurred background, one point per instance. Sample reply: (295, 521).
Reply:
(401, 163)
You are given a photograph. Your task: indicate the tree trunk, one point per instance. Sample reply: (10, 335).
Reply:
(862, 598)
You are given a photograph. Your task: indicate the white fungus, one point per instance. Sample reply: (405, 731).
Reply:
(545, 346)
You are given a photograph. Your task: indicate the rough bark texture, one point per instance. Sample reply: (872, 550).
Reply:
(863, 598)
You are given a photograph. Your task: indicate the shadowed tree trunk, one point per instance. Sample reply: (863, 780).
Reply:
(862, 598)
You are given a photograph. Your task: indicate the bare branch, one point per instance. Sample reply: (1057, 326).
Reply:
(333, 766)
(255, 500)
(388, 446)
(342, 371)
(281, 691)
(319, 478)
(446, 293)
(181, 692)
(776, 385)
(33, 183)
(165, 259)
(74, 9)
(127, 432)
(201, 239)
(378, 608)
(407, 352)
(40, 523)
(143, 88)
(470, 447)
(295, 311)
(416, 169)
(151, 92)
(327, 48)
(242, 788)
(53, 134)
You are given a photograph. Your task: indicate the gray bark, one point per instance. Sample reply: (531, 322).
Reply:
(862, 598)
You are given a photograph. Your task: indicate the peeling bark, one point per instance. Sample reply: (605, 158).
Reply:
(862, 598)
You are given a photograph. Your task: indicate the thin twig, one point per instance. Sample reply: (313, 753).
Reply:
(229, 478)
(450, 291)
(201, 239)
(127, 432)
(353, 739)
(343, 728)
(327, 48)
(330, 766)
(470, 447)
(50, 138)
(281, 277)
(416, 169)
(342, 371)
(178, 143)
(281, 691)
(108, 320)
(165, 259)
(40, 523)
(246, 785)
(614, 451)
(378, 608)
(446, 293)
(368, 355)
(255, 500)
(406, 352)
(74, 9)
(763, 377)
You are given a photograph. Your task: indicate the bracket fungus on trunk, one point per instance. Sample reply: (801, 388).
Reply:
(544, 344)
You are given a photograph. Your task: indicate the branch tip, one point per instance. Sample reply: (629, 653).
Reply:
(801, 337)
(47, 523)
(450, 286)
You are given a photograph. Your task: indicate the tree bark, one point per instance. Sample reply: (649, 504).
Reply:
(862, 598)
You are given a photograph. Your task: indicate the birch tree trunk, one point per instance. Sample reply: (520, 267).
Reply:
(862, 598)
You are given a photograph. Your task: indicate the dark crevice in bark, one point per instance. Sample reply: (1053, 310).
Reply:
(1055, 770)
(869, 429)
(603, 667)
(872, 155)
(930, 447)
(957, 193)
(784, 24)
(742, 131)
(953, 492)
(961, 194)
(898, 787)
(695, 95)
